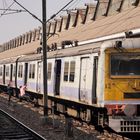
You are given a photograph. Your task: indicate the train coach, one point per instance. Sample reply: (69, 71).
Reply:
(96, 82)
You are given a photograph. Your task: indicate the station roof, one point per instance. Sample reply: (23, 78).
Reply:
(120, 22)
(22, 50)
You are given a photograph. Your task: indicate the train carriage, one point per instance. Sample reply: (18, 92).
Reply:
(29, 72)
(93, 64)
(122, 85)
(86, 81)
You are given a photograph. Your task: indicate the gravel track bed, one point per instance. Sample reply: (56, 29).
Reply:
(33, 118)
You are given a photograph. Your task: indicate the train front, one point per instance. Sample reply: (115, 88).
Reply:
(122, 86)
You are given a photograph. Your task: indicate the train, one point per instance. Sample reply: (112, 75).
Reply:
(97, 82)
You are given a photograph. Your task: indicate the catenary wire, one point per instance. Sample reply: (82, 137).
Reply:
(7, 9)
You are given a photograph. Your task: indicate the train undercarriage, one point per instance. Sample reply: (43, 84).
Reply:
(82, 112)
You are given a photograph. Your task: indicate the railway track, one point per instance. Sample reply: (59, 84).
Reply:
(81, 130)
(11, 129)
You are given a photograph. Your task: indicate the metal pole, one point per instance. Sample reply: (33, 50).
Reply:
(44, 42)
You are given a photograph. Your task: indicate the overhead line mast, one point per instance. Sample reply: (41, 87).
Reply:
(44, 41)
(44, 45)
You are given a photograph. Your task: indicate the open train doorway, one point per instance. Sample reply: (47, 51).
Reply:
(4, 74)
(57, 76)
(11, 72)
(94, 83)
(25, 73)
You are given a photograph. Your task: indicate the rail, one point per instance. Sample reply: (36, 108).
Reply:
(10, 128)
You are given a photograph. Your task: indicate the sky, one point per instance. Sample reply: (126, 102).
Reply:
(13, 25)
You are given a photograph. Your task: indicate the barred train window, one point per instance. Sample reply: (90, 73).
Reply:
(1, 71)
(32, 71)
(128, 64)
(72, 71)
(20, 71)
(49, 71)
(7, 71)
(66, 70)
(69, 71)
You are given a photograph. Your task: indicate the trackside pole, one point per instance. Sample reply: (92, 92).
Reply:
(44, 42)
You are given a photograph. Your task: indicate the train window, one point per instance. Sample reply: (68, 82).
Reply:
(20, 71)
(72, 71)
(32, 71)
(1, 71)
(7, 71)
(128, 64)
(49, 71)
(66, 70)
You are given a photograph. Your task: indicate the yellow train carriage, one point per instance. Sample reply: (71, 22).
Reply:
(122, 85)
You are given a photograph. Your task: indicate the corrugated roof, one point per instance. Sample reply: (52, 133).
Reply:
(21, 50)
(124, 21)
(121, 22)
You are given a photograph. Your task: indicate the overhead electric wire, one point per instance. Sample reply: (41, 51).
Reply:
(2, 9)
(54, 15)
(28, 11)
(7, 9)
(14, 12)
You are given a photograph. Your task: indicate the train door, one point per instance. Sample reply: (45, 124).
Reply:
(11, 72)
(38, 86)
(85, 90)
(84, 76)
(57, 76)
(25, 73)
(3, 74)
(94, 83)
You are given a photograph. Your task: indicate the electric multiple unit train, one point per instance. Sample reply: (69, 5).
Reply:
(95, 81)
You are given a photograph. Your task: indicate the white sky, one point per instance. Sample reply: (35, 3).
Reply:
(13, 25)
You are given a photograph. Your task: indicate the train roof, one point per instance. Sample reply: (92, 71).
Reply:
(8, 60)
(77, 50)
(70, 51)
